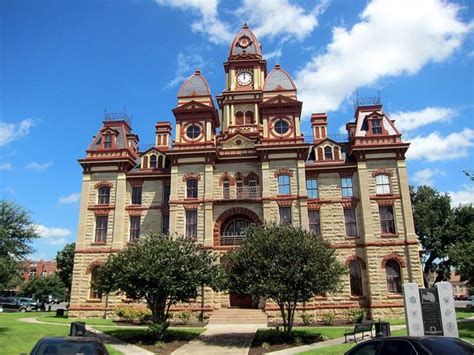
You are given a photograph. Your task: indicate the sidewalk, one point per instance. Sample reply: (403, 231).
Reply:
(232, 339)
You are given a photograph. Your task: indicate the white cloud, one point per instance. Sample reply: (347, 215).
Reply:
(410, 120)
(342, 129)
(47, 232)
(12, 131)
(208, 23)
(69, 199)
(435, 147)
(462, 197)
(426, 176)
(276, 54)
(39, 166)
(273, 18)
(6, 166)
(393, 38)
(186, 64)
(60, 241)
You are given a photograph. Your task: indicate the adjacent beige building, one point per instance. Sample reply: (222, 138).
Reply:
(246, 161)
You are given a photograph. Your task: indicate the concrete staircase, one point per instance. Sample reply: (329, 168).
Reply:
(238, 316)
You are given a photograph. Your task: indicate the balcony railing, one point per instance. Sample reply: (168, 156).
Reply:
(240, 193)
(231, 239)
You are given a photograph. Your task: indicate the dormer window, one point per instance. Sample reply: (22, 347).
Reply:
(153, 161)
(377, 126)
(327, 153)
(108, 141)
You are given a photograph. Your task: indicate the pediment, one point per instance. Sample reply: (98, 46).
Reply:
(328, 141)
(109, 130)
(281, 99)
(192, 105)
(152, 150)
(238, 141)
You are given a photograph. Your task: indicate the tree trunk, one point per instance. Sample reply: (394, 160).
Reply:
(283, 316)
(426, 271)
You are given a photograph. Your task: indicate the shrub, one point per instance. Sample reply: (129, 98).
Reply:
(306, 318)
(133, 314)
(157, 330)
(328, 318)
(355, 315)
(185, 316)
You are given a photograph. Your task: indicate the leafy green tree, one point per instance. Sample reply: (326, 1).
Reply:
(285, 264)
(42, 287)
(65, 263)
(162, 270)
(17, 231)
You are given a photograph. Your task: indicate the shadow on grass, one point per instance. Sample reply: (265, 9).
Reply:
(298, 337)
(141, 336)
(3, 329)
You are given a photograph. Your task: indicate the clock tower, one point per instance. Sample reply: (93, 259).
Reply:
(245, 76)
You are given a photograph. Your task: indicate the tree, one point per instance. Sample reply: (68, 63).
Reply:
(42, 287)
(162, 270)
(65, 263)
(17, 231)
(285, 264)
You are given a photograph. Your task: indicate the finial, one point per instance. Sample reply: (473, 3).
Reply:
(277, 66)
(245, 25)
(197, 72)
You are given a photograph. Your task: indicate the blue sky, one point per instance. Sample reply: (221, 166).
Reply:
(63, 63)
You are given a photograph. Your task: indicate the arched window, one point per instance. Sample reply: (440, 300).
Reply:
(226, 189)
(239, 118)
(394, 277)
(327, 153)
(249, 117)
(355, 274)
(94, 294)
(153, 161)
(103, 195)
(191, 188)
(236, 226)
(239, 185)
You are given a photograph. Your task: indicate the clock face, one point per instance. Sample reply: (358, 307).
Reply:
(244, 78)
(244, 42)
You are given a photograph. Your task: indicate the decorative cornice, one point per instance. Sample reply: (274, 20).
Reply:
(103, 183)
(283, 171)
(388, 172)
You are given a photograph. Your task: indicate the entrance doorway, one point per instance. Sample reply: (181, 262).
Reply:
(242, 301)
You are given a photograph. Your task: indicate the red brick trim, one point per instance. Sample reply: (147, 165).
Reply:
(96, 250)
(191, 206)
(283, 171)
(349, 202)
(396, 257)
(251, 175)
(93, 265)
(191, 176)
(348, 173)
(101, 210)
(351, 258)
(103, 183)
(314, 205)
(136, 182)
(388, 172)
(373, 244)
(134, 212)
(229, 213)
(284, 203)
(228, 177)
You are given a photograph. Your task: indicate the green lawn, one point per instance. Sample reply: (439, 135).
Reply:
(19, 337)
(49, 317)
(464, 313)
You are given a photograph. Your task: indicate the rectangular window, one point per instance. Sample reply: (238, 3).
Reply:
(312, 188)
(387, 221)
(346, 187)
(104, 195)
(165, 224)
(314, 222)
(166, 193)
(136, 195)
(350, 221)
(285, 215)
(108, 141)
(191, 224)
(192, 188)
(283, 185)
(376, 126)
(135, 227)
(101, 229)
(382, 184)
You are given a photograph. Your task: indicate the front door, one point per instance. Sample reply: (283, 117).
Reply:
(241, 301)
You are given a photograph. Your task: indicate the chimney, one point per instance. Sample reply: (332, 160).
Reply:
(163, 134)
(132, 141)
(319, 126)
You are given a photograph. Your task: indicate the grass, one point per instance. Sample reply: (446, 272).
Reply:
(464, 313)
(19, 337)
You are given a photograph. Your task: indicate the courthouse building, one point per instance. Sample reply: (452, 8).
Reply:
(242, 159)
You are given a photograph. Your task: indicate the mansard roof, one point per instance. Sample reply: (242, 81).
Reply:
(253, 47)
(195, 85)
(277, 80)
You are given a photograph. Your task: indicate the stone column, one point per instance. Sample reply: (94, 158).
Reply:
(119, 233)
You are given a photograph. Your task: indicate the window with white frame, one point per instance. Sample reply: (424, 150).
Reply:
(350, 222)
(135, 227)
(285, 215)
(312, 187)
(283, 185)
(346, 187)
(191, 224)
(382, 184)
(314, 221)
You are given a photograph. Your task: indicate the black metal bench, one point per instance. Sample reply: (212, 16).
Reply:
(358, 329)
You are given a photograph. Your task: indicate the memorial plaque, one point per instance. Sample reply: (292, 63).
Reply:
(413, 314)
(448, 312)
(431, 312)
